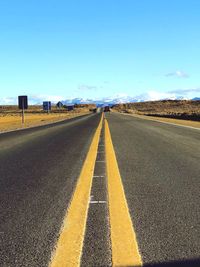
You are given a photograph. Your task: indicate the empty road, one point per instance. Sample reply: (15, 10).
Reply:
(98, 190)
(160, 168)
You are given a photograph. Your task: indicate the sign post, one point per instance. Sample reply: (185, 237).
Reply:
(23, 104)
(47, 106)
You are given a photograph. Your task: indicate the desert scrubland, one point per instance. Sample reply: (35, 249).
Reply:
(184, 112)
(11, 116)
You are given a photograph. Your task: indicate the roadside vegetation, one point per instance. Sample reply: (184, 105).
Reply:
(176, 109)
(10, 116)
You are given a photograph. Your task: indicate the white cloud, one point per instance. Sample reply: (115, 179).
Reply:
(177, 73)
(38, 99)
(186, 91)
(85, 87)
(155, 95)
(32, 99)
(8, 100)
(151, 95)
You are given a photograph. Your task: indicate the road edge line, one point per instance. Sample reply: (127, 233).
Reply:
(165, 122)
(68, 250)
(124, 245)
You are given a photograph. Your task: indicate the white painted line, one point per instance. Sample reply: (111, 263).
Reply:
(185, 126)
(97, 202)
(96, 176)
(150, 119)
(101, 145)
(100, 161)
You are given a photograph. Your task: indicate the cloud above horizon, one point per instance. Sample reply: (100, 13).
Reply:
(38, 99)
(155, 95)
(178, 74)
(186, 91)
(32, 99)
(85, 87)
(150, 95)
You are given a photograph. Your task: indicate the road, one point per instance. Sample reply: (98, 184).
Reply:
(48, 192)
(160, 168)
(38, 172)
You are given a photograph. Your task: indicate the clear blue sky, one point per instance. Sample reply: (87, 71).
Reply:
(99, 48)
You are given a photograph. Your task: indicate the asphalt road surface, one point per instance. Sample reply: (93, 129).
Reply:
(39, 168)
(160, 171)
(160, 168)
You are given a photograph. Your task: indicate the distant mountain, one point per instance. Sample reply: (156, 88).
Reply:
(77, 101)
(119, 99)
(101, 101)
(116, 99)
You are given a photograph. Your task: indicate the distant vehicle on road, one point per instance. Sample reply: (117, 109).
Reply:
(107, 109)
(94, 110)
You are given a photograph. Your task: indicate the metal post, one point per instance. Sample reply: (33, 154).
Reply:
(22, 111)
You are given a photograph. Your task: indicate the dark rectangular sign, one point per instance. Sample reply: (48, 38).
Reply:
(69, 108)
(47, 105)
(23, 102)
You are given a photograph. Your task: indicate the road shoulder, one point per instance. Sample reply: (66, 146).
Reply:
(182, 123)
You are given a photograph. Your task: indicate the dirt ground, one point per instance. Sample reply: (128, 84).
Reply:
(176, 109)
(183, 112)
(11, 119)
(195, 124)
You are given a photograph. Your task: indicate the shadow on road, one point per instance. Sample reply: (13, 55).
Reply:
(182, 263)
(186, 263)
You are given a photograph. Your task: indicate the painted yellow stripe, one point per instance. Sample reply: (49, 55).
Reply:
(123, 239)
(70, 243)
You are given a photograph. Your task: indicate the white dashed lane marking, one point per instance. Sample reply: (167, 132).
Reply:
(98, 202)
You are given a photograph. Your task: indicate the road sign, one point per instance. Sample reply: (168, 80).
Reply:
(47, 105)
(59, 104)
(23, 102)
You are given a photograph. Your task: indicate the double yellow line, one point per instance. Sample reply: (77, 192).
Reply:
(124, 245)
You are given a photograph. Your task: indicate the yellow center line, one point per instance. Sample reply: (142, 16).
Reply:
(69, 246)
(123, 238)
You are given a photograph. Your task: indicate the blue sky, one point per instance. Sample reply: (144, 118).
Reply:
(52, 49)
